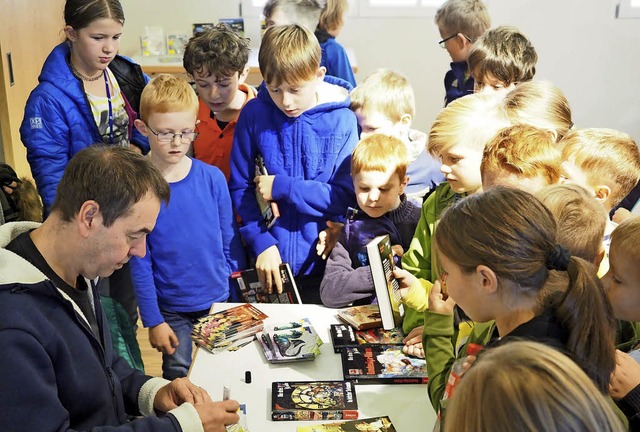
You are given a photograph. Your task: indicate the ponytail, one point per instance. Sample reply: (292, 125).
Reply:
(585, 311)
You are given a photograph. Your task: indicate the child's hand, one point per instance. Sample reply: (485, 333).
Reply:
(163, 339)
(405, 279)
(621, 215)
(413, 343)
(264, 185)
(328, 238)
(268, 267)
(397, 250)
(625, 377)
(437, 301)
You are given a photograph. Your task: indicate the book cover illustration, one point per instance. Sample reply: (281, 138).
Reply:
(374, 424)
(382, 364)
(269, 209)
(219, 330)
(387, 288)
(252, 291)
(290, 341)
(361, 317)
(313, 400)
(343, 335)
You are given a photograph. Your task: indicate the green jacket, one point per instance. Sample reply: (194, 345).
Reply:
(417, 260)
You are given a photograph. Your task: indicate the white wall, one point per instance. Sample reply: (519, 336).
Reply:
(593, 57)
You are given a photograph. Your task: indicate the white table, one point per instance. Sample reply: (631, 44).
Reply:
(407, 405)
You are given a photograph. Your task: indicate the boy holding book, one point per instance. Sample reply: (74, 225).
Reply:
(302, 127)
(195, 245)
(378, 168)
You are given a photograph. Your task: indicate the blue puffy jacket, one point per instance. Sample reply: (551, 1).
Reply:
(58, 122)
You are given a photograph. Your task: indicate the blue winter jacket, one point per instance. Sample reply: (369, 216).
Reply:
(58, 122)
(310, 156)
(334, 58)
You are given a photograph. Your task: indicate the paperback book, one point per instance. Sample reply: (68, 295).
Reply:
(361, 317)
(387, 288)
(313, 400)
(252, 290)
(220, 330)
(290, 342)
(374, 424)
(343, 335)
(382, 364)
(269, 209)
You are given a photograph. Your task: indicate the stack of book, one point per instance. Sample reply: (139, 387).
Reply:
(252, 290)
(290, 342)
(232, 327)
(382, 364)
(313, 400)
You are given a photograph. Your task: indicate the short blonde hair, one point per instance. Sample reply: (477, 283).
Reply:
(469, 17)
(607, 157)
(379, 152)
(581, 219)
(387, 92)
(504, 52)
(332, 17)
(625, 238)
(303, 12)
(289, 54)
(165, 94)
(471, 121)
(540, 104)
(541, 389)
(524, 151)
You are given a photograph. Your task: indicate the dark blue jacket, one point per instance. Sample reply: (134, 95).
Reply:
(58, 122)
(310, 156)
(456, 83)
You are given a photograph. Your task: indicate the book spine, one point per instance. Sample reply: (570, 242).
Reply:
(295, 415)
(362, 380)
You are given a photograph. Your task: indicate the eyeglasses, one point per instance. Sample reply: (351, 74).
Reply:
(169, 137)
(443, 42)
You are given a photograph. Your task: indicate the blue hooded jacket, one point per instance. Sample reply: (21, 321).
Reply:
(58, 122)
(310, 157)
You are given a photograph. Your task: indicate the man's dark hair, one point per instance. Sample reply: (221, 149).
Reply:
(115, 177)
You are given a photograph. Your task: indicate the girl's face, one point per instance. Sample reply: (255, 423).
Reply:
(95, 46)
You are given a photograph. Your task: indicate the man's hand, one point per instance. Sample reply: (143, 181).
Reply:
(264, 186)
(163, 339)
(437, 301)
(328, 238)
(216, 415)
(625, 377)
(413, 343)
(177, 392)
(268, 268)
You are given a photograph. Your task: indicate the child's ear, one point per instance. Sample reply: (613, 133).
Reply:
(404, 184)
(602, 192)
(70, 33)
(243, 76)
(141, 126)
(487, 278)
(321, 72)
(406, 119)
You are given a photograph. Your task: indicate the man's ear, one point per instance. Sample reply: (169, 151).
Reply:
(243, 75)
(141, 126)
(602, 192)
(487, 278)
(88, 217)
(71, 33)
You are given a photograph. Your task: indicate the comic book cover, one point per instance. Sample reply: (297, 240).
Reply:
(252, 291)
(219, 329)
(343, 335)
(313, 400)
(361, 317)
(374, 424)
(290, 341)
(382, 364)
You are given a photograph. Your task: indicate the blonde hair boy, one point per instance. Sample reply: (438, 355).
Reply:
(540, 104)
(523, 157)
(467, 17)
(166, 94)
(604, 161)
(581, 219)
(285, 12)
(380, 152)
(501, 58)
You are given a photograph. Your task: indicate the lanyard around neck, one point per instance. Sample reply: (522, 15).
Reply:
(106, 84)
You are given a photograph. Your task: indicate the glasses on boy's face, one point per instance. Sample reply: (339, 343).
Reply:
(169, 137)
(443, 42)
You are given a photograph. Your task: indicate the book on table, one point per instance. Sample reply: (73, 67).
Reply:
(313, 400)
(290, 342)
(377, 424)
(269, 209)
(343, 335)
(386, 286)
(219, 331)
(361, 317)
(382, 364)
(252, 290)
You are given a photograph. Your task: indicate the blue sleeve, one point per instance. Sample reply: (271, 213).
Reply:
(241, 186)
(232, 244)
(45, 134)
(338, 63)
(145, 288)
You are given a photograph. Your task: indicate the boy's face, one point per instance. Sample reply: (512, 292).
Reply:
(378, 192)
(461, 168)
(490, 84)
(173, 151)
(371, 122)
(295, 99)
(622, 283)
(458, 46)
(218, 91)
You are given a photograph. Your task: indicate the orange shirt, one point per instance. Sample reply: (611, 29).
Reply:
(213, 145)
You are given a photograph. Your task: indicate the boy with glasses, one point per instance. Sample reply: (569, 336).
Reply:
(195, 245)
(460, 23)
